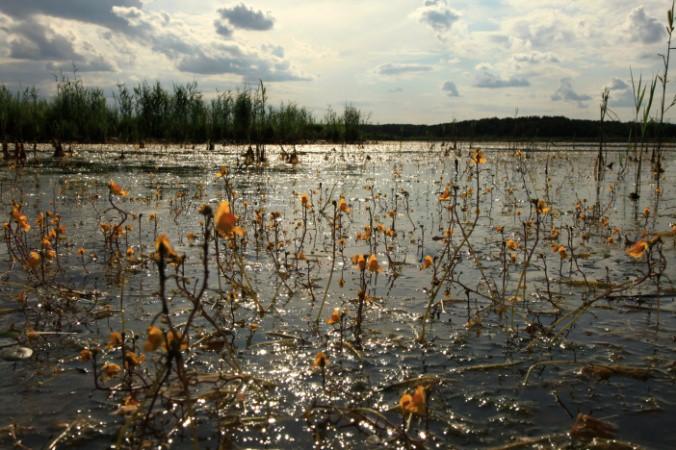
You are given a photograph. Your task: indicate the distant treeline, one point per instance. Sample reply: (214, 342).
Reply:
(520, 128)
(151, 112)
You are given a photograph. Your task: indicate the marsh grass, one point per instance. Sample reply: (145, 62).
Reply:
(181, 114)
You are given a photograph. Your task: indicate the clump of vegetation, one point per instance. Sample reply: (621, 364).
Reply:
(150, 112)
(403, 297)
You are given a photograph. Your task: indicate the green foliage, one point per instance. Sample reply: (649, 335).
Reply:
(150, 112)
(22, 114)
(333, 126)
(290, 123)
(77, 113)
(352, 123)
(243, 116)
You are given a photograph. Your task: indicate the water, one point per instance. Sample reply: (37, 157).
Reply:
(495, 370)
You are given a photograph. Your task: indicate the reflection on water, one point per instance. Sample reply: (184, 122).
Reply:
(493, 374)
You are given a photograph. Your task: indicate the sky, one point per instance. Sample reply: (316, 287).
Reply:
(399, 61)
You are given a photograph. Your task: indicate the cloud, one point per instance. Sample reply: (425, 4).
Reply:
(241, 16)
(486, 77)
(276, 50)
(450, 89)
(542, 31)
(643, 28)
(31, 40)
(621, 94)
(617, 84)
(223, 28)
(566, 93)
(91, 11)
(20, 74)
(437, 15)
(95, 65)
(233, 59)
(157, 31)
(621, 99)
(535, 57)
(175, 40)
(402, 69)
(500, 39)
(169, 37)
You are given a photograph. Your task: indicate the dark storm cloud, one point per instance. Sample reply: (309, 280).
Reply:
(241, 16)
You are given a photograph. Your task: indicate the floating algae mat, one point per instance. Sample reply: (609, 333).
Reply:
(389, 295)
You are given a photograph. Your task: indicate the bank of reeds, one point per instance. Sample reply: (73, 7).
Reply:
(180, 114)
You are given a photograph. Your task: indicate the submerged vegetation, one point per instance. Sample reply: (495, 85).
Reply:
(397, 295)
(150, 112)
(451, 297)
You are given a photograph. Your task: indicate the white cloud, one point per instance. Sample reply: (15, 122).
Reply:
(175, 39)
(535, 57)
(542, 34)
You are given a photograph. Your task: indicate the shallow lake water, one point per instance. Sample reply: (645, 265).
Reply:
(509, 351)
